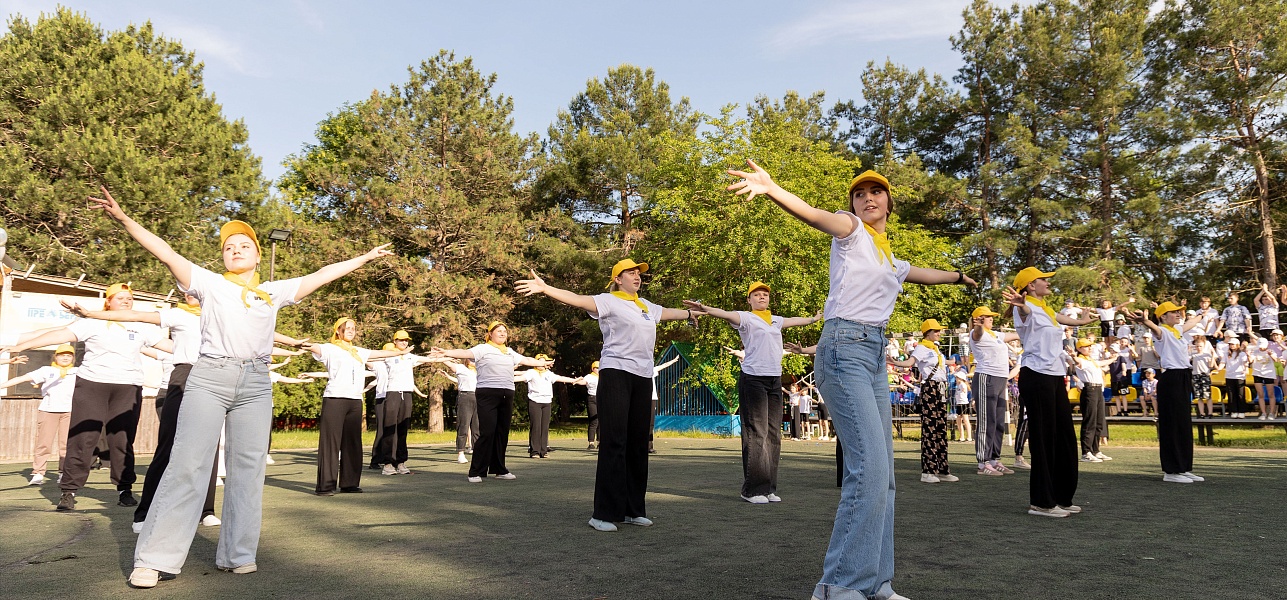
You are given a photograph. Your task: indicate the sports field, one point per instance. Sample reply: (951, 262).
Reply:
(433, 535)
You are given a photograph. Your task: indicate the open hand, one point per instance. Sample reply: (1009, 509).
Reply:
(755, 182)
(380, 251)
(74, 309)
(107, 204)
(1012, 296)
(527, 287)
(696, 306)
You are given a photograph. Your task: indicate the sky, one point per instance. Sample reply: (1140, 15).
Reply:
(283, 65)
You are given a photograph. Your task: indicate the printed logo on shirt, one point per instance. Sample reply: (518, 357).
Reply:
(131, 336)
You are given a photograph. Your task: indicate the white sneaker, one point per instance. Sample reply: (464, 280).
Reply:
(403, 470)
(773, 498)
(389, 470)
(603, 525)
(460, 458)
(1091, 458)
(210, 521)
(144, 578)
(219, 482)
(507, 476)
(1190, 475)
(756, 499)
(36, 479)
(474, 479)
(929, 478)
(1262, 417)
(268, 459)
(948, 478)
(1072, 509)
(1102, 456)
(640, 521)
(136, 527)
(1176, 478)
(1048, 512)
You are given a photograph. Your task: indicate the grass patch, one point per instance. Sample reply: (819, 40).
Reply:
(1266, 437)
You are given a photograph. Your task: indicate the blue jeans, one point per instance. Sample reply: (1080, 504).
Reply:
(237, 393)
(851, 372)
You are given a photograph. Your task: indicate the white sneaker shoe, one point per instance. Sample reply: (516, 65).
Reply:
(219, 482)
(36, 479)
(1091, 458)
(929, 478)
(1072, 509)
(603, 525)
(1048, 512)
(460, 458)
(756, 499)
(388, 470)
(474, 479)
(1193, 477)
(948, 478)
(507, 476)
(210, 521)
(144, 578)
(136, 527)
(1102, 456)
(1176, 478)
(268, 459)
(640, 521)
(403, 470)
(773, 498)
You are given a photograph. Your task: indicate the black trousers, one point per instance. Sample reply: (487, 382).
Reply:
(1021, 426)
(1234, 391)
(495, 410)
(625, 416)
(760, 407)
(592, 415)
(95, 406)
(1094, 426)
(168, 404)
(394, 415)
(1054, 442)
(377, 459)
(339, 448)
(466, 421)
(538, 434)
(1174, 423)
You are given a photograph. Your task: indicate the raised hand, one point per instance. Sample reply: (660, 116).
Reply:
(755, 182)
(696, 306)
(967, 280)
(1012, 296)
(380, 251)
(436, 352)
(527, 287)
(107, 204)
(74, 309)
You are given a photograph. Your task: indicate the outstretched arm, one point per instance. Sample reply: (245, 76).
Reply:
(437, 352)
(926, 276)
(133, 316)
(13, 360)
(662, 367)
(536, 285)
(15, 381)
(1142, 317)
(757, 181)
(179, 266)
(62, 335)
(701, 309)
(311, 282)
(799, 321)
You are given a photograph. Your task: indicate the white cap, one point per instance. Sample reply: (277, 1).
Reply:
(1264, 344)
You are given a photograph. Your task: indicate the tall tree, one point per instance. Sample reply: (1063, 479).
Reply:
(903, 111)
(82, 107)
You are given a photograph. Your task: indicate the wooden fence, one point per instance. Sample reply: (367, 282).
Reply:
(18, 428)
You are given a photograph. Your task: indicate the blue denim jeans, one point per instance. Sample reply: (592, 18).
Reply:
(237, 394)
(851, 372)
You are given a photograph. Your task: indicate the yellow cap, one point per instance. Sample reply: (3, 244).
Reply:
(401, 335)
(232, 228)
(65, 349)
(983, 311)
(541, 357)
(866, 176)
(626, 265)
(335, 329)
(115, 289)
(493, 325)
(1166, 307)
(594, 365)
(1084, 343)
(930, 325)
(759, 285)
(390, 346)
(1029, 275)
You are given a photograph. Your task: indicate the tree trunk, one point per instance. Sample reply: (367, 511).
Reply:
(435, 410)
(1105, 196)
(1266, 223)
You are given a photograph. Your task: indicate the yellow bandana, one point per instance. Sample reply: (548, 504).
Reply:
(62, 371)
(764, 314)
(633, 298)
(251, 286)
(335, 333)
(882, 244)
(1174, 331)
(188, 308)
(1042, 305)
(503, 349)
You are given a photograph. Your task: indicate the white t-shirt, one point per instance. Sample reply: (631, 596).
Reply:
(466, 378)
(381, 371)
(112, 349)
(991, 355)
(1106, 314)
(762, 343)
(804, 404)
(495, 370)
(863, 285)
(230, 329)
(629, 334)
(592, 384)
(928, 360)
(1123, 331)
(1210, 321)
(346, 376)
(1173, 352)
(1268, 316)
(1262, 362)
(1043, 342)
(185, 331)
(540, 385)
(1089, 372)
(402, 375)
(1235, 364)
(962, 393)
(1201, 358)
(55, 390)
(1071, 312)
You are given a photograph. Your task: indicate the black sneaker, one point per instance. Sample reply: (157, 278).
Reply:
(127, 499)
(350, 490)
(67, 502)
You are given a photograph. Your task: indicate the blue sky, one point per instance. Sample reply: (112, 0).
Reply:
(282, 65)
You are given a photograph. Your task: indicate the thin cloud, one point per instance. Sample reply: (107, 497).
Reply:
(868, 21)
(211, 45)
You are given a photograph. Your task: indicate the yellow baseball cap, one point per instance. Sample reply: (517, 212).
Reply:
(594, 365)
(390, 346)
(930, 325)
(758, 286)
(65, 349)
(1084, 343)
(1028, 276)
(115, 289)
(541, 357)
(1166, 307)
(983, 311)
(232, 228)
(626, 265)
(401, 335)
(493, 325)
(866, 176)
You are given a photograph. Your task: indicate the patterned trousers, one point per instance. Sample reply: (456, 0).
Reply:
(934, 428)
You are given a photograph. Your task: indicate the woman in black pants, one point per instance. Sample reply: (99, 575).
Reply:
(1233, 359)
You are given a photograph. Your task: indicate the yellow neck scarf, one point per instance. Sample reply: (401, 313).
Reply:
(764, 314)
(1042, 305)
(251, 286)
(882, 244)
(62, 371)
(503, 349)
(633, 298)
(188, 308)
(934, 347)
(1175, 332)
(347, 347)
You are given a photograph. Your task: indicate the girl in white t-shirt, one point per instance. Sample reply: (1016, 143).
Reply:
(1264, 373)
(1172, 336)
(629, 327)
(339, 447)
(229, 384)
(932, 367)
(961, 403)
(465, 376)
(1266, 311)
(540, 402)
(592, 406)
(759, 388)
(53, 416)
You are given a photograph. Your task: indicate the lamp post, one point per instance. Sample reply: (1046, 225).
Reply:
(276, 235)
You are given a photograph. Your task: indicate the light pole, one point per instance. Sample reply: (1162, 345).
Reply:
(276, 235)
